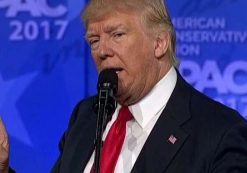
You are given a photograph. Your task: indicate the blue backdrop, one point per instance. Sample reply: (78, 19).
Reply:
(46, 68)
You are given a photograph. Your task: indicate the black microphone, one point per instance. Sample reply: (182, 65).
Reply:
(107, 89)
(108, 79)
(105, 107)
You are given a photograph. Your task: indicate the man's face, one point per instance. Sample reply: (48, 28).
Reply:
(120, 41)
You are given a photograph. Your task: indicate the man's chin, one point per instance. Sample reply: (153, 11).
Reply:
(121, 99)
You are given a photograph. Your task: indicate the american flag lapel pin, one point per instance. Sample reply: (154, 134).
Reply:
(172, 139)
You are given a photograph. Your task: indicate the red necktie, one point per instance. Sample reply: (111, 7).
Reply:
(114, 141)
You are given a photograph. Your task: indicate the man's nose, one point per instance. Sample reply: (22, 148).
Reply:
(105, 49)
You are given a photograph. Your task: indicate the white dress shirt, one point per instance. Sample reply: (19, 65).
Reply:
(146, 112)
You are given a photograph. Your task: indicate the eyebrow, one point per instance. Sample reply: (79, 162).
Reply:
(90, 34)
(108, 29)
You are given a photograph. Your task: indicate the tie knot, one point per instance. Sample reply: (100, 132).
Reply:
(124, 114)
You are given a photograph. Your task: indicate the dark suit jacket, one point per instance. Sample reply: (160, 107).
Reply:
(11, 170)
(211, 138)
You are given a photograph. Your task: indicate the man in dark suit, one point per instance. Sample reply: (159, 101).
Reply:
(174, 129)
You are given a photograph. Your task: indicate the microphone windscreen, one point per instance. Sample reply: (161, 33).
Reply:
(108, 79)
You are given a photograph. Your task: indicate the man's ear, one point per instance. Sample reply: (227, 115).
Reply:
(161, 44)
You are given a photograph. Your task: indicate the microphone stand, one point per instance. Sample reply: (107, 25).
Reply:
(104, 95)
(107, 88)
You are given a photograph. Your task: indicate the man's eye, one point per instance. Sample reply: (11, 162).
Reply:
(120, 34)
(93, 42)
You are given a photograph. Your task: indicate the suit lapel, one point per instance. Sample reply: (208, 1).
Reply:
(85, 146)
(167, 136)
(81, 144)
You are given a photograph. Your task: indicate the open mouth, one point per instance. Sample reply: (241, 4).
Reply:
(117, 70)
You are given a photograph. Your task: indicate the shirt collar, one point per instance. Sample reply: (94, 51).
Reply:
(155, 100)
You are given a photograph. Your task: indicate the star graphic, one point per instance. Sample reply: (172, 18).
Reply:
(10, 91)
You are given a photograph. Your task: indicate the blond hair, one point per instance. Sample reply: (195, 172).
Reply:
(154, 15)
